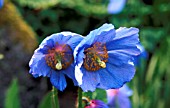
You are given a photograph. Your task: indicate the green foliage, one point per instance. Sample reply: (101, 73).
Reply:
(99, 94)
(37, 4)
(12, 96)
(46, 101)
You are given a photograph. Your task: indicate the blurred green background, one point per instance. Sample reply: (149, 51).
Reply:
(25, 23)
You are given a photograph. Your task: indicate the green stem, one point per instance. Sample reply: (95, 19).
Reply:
(55, 102)
(79, 98)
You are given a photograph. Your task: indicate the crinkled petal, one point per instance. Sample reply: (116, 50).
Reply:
(116, 6)
(103, 34)
(72, 39)
(70, 73)
(58, 80)
(105, 79)
(90, 80)
(41, 68)
(126, 41)
(38, 66)
(48, 42)
(118, 58)
(35, 58)
(120, 74)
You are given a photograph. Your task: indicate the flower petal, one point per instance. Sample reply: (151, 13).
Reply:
(74, 40)
(103, 34)
(126, 41)
(126, 90)
(118, 58)
(96, 104)
(120, 74)
(105, 79)
(116, 6)
(123, 101)
(42, 68)
(78, 74)
(70, 73)
(90, 80)
(58, 80)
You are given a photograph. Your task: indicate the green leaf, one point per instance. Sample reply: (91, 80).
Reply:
(46, 102)
(12, 98)
(100, 94)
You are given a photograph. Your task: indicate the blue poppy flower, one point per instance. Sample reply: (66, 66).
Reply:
(104, 58)
(54, 58)
(119, 98)
(116, 6)
(1, 3)
(96, 104)
(143, 55)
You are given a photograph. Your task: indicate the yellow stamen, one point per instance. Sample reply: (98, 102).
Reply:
(58, 66)
(101, 63)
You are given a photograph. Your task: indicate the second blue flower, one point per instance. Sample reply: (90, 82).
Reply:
(104, 58)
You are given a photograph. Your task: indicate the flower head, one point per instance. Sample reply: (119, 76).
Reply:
(1, 3)
(94, 103)
(104, 58)
(116, 6)
(119, 97)
(54, 58)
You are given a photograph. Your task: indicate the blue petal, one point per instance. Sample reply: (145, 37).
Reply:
(58, 80)
(118, 58)
(35, 58)
(143, 55)
(116, 6)
(120, 74)
(123, 101)
(70, 73)
(103, 34)
(41, 68)
(74, 40)
(126, 41)
(90, 80)
(126, 90)
(1, 3)
(48, 42)
(106, 79)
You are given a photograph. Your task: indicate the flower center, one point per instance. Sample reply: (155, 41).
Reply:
(59, 57)
(95, 57)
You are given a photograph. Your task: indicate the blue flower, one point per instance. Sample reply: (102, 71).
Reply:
(96, 104)
(143, 55)
(116, 6)
(1, 3)
(119, 97)
(54, 58)
(104, 58)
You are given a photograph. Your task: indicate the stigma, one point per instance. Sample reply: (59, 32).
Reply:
(59, 57)
(96, 57)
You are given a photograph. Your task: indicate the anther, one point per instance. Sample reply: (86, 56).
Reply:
(58, 66)
(101, 63)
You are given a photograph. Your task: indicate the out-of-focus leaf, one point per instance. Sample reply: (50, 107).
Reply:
(12, 97)
(46, 101)
(38, 4)
(100, 94)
